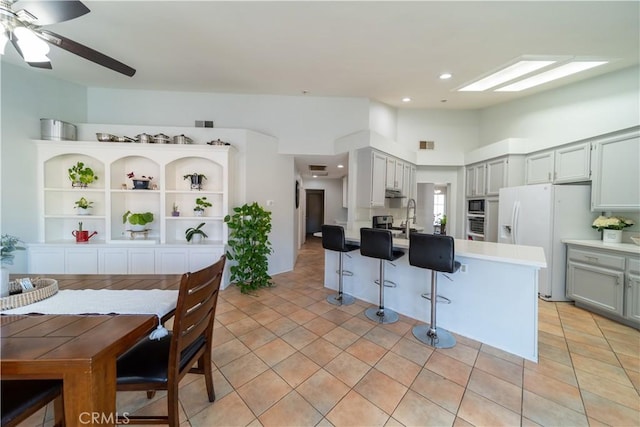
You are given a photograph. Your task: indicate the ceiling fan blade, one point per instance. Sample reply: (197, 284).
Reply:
(85, 52)
(46, 65)
(53, 11)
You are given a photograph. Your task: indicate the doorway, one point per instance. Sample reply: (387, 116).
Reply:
(315, 211)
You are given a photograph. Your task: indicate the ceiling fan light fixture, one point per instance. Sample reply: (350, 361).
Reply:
(32, 47)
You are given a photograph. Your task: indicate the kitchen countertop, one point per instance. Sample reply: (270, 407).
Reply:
(628, 248)
(500, 252)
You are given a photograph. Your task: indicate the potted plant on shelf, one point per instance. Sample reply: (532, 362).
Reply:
(196, 234)
(141, 183)
(82, 206)
(174, 210)
(8, 245)
(81, 175)
(137, 221)
(249, 246)
(196, 180)
(611, 227)
(201, 204)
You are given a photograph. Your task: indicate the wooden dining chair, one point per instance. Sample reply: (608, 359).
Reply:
(19, 399)
(161, 364)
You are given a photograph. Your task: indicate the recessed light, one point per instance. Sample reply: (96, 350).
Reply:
(315, 176)
(445, 76)
(340, 166)
(406, 99)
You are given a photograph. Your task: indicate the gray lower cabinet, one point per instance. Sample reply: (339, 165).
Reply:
(605, 282)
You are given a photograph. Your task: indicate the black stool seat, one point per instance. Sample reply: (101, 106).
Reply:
(435, 253)
(378, 243)
(333, 240)
(22, 398)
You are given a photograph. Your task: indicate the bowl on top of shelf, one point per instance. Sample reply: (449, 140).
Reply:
(141, 183)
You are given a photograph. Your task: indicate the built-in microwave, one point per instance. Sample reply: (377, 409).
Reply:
(475, 206)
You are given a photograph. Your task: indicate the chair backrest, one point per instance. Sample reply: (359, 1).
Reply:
(194, 316)
(432, 251)
(376, 243)
(333, 238)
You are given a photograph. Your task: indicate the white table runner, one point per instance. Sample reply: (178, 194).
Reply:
(106, 301)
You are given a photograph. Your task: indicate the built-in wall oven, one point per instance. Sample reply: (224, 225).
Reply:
(475, 219)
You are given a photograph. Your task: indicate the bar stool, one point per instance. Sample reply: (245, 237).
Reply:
(333, 240)
(378, 243)
(436, 253)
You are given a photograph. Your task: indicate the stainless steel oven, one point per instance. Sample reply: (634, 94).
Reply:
(382, 221)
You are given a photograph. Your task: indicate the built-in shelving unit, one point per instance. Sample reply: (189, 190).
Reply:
(114, 248)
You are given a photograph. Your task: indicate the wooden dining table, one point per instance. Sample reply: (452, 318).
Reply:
(81, 350)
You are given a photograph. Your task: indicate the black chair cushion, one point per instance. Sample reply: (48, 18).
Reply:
(333, 239)
(432, 251)
(20, 396)
(148, 360)
(378, 243)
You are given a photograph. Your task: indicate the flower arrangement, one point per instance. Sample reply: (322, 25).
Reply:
(611, 223)
(9, 244)
(143, 178)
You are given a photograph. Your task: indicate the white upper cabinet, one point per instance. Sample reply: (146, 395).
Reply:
(476, 180)
(539, 168)
(371, 179)
(572, 163)
(496, 176)
(616, 174)
(563, 165)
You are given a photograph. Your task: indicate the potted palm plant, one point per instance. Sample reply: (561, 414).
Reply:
(196, 234)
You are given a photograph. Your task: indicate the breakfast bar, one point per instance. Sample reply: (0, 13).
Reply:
(494, 295)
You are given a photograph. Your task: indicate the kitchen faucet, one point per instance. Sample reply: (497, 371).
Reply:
(410, 203)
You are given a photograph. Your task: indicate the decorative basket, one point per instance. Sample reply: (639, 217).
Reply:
(44, 288)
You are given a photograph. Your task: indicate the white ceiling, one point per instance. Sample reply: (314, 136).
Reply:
(378, 50)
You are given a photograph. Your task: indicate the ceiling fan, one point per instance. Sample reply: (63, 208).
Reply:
(23, 28)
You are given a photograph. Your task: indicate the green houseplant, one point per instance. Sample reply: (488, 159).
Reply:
(201, 204)
(83, 205)
(138, 221)
(195, 233)
(9, 244)
(196, 180)
(249, 245)
(81, 175)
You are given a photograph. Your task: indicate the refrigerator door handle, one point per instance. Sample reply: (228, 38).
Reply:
(516, 217)
(512, 227)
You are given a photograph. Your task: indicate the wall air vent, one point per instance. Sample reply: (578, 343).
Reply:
(427, 145)
(317, 168)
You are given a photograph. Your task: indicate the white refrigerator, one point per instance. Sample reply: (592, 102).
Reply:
(542, 215)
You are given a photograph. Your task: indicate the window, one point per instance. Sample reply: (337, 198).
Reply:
(439, 202)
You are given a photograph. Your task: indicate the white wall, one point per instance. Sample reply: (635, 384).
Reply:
(383, 119)
(582, 110)
(333, 209)
(302, 125)
(454, 133)
(28, 96)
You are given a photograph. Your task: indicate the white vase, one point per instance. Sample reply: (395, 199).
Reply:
(198, 213)
(611, 236)
(4, 285)
(196, 239)
(83, 211)
(138, 227)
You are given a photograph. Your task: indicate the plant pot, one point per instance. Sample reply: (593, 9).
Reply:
(611, 236)
(138, 227)
(83, 211)
(175, 213)
(78, 184)
(196, 239)
(198, 213)
(140, 184)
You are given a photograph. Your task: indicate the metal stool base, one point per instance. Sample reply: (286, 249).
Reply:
(337, 299)
(388, 316)
(441, 339)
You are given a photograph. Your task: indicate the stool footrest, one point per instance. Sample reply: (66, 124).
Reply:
(387, 283)
(439, 298)
(345, 273)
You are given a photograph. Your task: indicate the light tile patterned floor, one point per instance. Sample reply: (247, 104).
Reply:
(288, 358)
